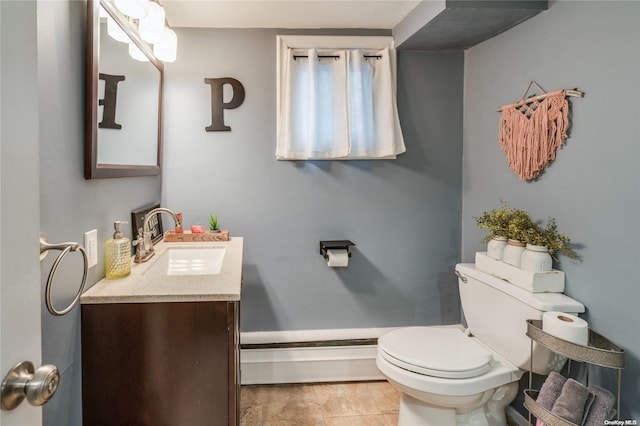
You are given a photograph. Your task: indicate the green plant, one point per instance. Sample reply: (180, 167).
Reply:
(520, 225)
(550, 238)
(496, 221)
(213, 222)
(505, 221)
(516, 224)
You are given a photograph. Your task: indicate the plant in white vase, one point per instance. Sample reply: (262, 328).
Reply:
(542, 244)
(519, 226)
(497, 222)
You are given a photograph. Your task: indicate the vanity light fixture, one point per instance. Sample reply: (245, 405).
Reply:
(102, 13)
(151, 26)
(148, 18)
(115, 31)
(136, 53)
(167, 49)
(135, 9)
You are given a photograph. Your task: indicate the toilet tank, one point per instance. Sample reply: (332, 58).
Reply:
(496, 312)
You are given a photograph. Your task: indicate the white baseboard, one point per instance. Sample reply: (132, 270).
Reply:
(292, 336)
(309, 364)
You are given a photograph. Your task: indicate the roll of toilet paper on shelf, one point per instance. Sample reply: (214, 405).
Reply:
(566, 326)
(338, 258)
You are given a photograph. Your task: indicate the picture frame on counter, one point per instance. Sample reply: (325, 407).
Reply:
(155, 223)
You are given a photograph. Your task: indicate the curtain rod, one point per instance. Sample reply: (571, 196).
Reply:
(335, 56)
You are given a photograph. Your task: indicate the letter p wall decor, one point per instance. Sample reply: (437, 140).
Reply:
(218, 105)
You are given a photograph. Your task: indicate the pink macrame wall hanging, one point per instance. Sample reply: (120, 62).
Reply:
(532, 129)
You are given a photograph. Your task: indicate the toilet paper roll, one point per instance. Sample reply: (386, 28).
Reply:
(338, 258)
(566, 326)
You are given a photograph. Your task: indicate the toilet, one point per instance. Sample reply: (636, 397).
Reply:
(449, 375)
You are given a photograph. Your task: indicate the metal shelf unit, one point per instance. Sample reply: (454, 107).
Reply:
(600, 351)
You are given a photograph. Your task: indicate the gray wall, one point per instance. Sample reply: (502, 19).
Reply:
(70, 205)
(593, 188)
(280, 207)
(404, 215)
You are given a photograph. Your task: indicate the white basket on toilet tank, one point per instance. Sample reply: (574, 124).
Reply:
(451, 376)
(536, 282)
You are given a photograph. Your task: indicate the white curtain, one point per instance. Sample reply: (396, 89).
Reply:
(338, 104)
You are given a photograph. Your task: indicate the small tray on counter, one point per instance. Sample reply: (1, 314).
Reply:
(188, 237)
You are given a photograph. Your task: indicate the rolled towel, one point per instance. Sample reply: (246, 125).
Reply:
(550, 390)
(601, 407)
(573, 402)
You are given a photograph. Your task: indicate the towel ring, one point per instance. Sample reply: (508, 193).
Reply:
(65, 248)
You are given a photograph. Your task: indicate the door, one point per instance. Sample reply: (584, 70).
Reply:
(20, 329)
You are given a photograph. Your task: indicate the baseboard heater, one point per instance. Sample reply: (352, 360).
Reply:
(309, 356)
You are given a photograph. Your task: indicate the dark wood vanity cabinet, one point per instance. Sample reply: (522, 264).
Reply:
(160, 364)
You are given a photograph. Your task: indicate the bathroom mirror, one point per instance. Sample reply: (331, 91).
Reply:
(123, 99)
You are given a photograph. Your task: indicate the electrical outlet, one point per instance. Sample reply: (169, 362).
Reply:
(91, 245)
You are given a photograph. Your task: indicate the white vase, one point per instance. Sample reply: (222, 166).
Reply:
(496, 246)
(536, 259)
(513, 252)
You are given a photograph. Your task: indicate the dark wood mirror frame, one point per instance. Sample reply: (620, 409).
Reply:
(92, 169)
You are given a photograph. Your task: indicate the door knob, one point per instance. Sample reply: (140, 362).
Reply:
(22, 381)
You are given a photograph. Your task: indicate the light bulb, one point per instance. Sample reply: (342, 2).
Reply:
(151, 27)
(115, 31)
(102, 13)
(133, 8)
(136, 53)
(167, 49)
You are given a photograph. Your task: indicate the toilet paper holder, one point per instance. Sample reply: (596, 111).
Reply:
(334, 245)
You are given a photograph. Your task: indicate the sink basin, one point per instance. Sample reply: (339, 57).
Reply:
(188, 261)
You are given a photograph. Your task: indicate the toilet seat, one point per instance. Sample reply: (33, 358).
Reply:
(435, 351)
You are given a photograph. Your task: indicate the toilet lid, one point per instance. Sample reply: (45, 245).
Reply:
(435, 351)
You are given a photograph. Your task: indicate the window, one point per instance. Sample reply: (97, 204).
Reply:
(336, 98)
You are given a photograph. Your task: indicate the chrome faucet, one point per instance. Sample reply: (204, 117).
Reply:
(145, 249)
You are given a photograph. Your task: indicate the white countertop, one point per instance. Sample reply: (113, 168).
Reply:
(138, 288)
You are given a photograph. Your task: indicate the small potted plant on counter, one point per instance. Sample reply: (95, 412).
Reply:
(213, 223)
(542, 244)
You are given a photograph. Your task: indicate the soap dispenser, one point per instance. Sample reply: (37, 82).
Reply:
(117, 254)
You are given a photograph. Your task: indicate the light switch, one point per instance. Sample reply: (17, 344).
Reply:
(91, 246)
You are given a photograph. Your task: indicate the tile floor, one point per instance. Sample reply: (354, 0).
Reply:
(327, 404)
